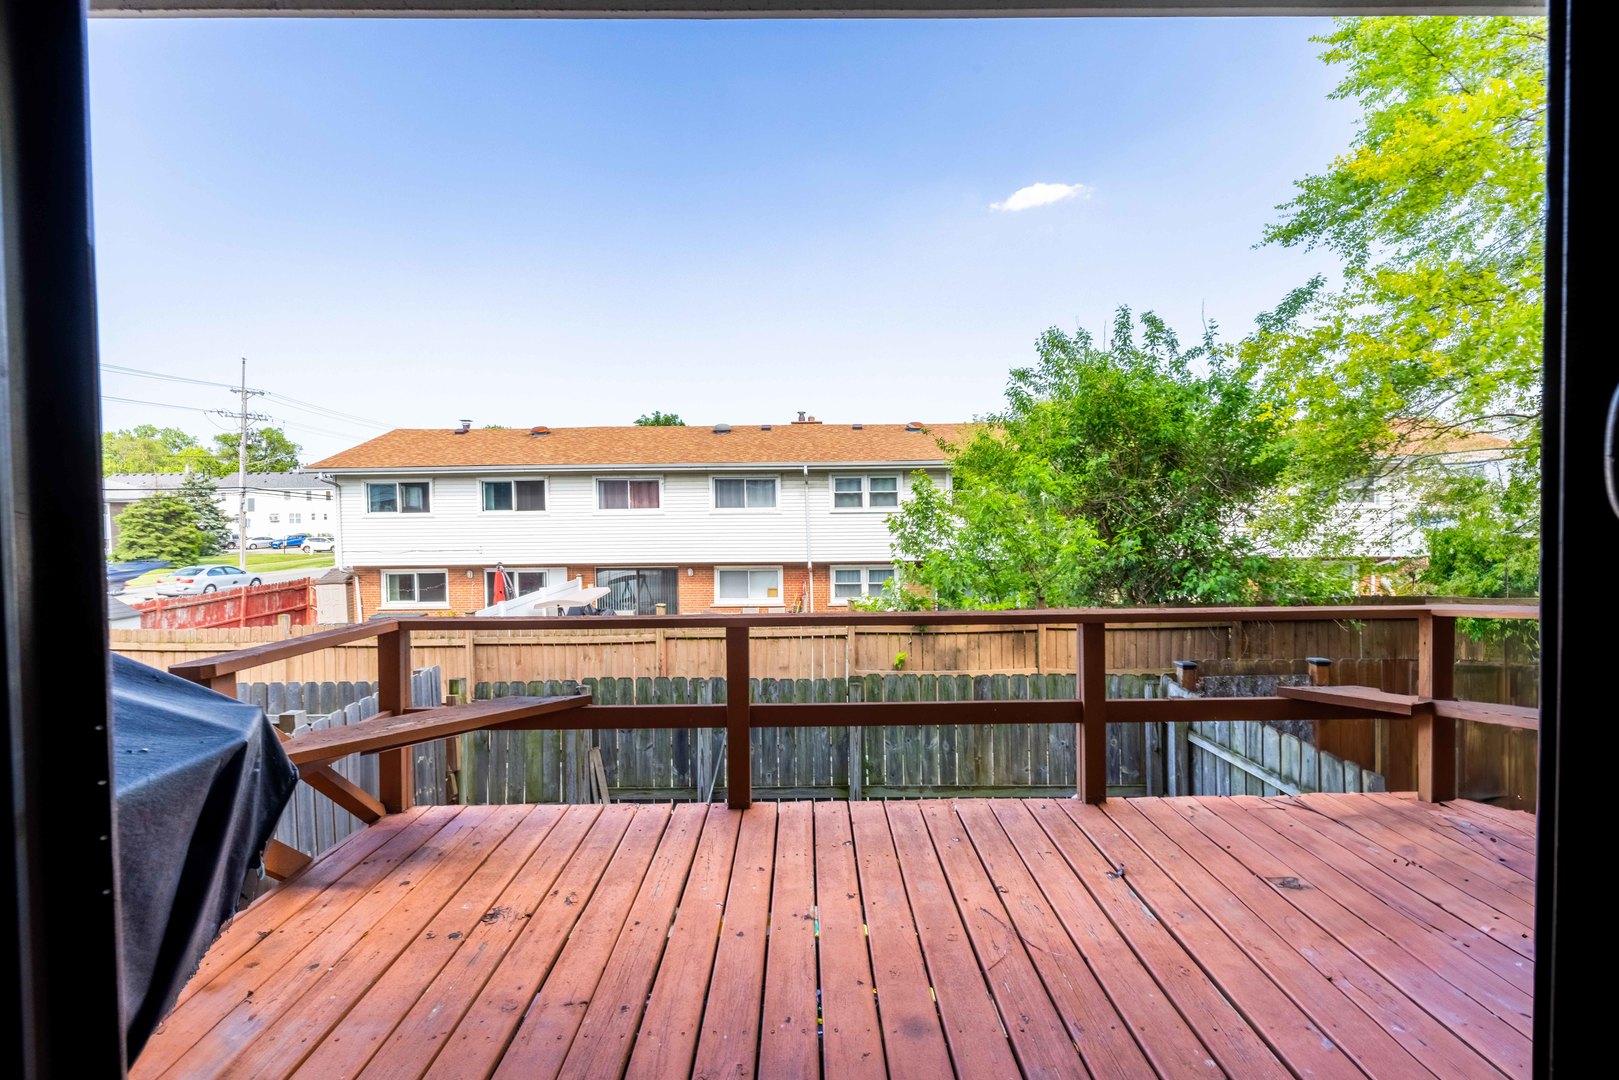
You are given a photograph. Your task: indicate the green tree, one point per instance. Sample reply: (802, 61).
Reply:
(202, 495)
(160, 527)
(659, 419)
(268, 451)
(1118, 475)
(147, 448)
(1437, 211)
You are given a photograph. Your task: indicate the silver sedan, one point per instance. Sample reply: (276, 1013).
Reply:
(212, 578)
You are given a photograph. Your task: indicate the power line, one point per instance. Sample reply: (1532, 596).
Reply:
(287, 399)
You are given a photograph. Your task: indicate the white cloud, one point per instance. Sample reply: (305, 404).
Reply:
(1027, 198)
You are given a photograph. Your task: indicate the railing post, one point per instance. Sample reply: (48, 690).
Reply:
(223, 684)
(738, 723)
(1090, 735)
(395, 786)
(1436, 735)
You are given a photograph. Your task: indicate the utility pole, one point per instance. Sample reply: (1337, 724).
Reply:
(241, 463)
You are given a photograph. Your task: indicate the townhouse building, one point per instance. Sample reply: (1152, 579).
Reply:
(765, 517)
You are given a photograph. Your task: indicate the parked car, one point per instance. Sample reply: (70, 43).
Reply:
(313, 544)
(254, 543)
(289, 543)
(208, 578)
(121, 573)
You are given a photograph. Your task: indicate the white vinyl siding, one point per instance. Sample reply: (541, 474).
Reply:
(415, 588)
(735, 585)
(855, 582)
(686, 531)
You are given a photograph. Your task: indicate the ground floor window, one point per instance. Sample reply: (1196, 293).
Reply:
(639, 590)
(747, 585)
(415, 587)
(518, 583)
(853, 582)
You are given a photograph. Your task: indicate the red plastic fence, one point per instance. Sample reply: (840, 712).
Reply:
(255, 605)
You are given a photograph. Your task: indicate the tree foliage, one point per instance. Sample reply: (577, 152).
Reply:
(160, 527)
(659, 419)
(202, 495)
(1437, 211)
(268, 451)
(147, 448)
(1125, 474)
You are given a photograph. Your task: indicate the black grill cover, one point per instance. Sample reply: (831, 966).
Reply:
(200, 780)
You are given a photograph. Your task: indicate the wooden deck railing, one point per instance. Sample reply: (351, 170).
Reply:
(1433, 708)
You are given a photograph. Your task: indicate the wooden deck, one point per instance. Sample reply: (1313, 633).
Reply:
(1319, 936)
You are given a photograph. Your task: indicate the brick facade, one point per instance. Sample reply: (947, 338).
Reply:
(695, 584)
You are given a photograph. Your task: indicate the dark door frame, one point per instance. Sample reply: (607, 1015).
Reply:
(62, 961)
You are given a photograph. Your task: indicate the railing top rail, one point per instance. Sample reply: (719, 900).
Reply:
(226, 663)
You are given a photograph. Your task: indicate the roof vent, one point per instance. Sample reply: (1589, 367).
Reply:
(914, 425)
(539, 430)
(858, 427)
(722, 429)
(466, 426)
(802, 419)
(764, 427)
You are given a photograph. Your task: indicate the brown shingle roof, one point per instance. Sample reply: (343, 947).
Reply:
(783, 444)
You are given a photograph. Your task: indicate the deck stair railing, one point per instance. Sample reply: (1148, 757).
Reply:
(398, 725)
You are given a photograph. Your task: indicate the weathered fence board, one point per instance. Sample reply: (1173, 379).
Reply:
(311, 822)
(824, 762)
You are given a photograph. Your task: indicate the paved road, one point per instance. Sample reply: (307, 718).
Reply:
(149, 592)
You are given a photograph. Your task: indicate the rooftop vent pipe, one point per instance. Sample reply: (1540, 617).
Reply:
(466, 426)
(722, 429)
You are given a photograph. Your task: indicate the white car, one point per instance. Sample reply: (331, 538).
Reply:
(210, 578)
(313, 544)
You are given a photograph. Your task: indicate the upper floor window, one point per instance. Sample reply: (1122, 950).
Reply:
(853, 582)
(518, 495)
(405, 497)
(250, 506)
(629, 494)
(744, 493)
(415, 587)
(295, 519)
(865, 492)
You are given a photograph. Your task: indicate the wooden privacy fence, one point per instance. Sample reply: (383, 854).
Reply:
(275, 606)
(898, 761)
(312, 825)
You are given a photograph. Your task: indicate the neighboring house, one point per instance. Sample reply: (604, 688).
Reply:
(677, 519)
(1387, 517)
(277, 504)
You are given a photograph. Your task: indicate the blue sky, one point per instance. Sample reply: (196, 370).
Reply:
(577, 222)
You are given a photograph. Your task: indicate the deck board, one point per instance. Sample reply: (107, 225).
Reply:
(1317, 936)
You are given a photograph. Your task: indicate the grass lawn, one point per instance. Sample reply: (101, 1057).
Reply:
(257, 562)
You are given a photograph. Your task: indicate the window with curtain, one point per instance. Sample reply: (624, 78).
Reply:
(744, 493)
(628, 494)
(515, 495)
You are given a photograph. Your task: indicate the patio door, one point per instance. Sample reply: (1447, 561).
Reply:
(639, 590)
